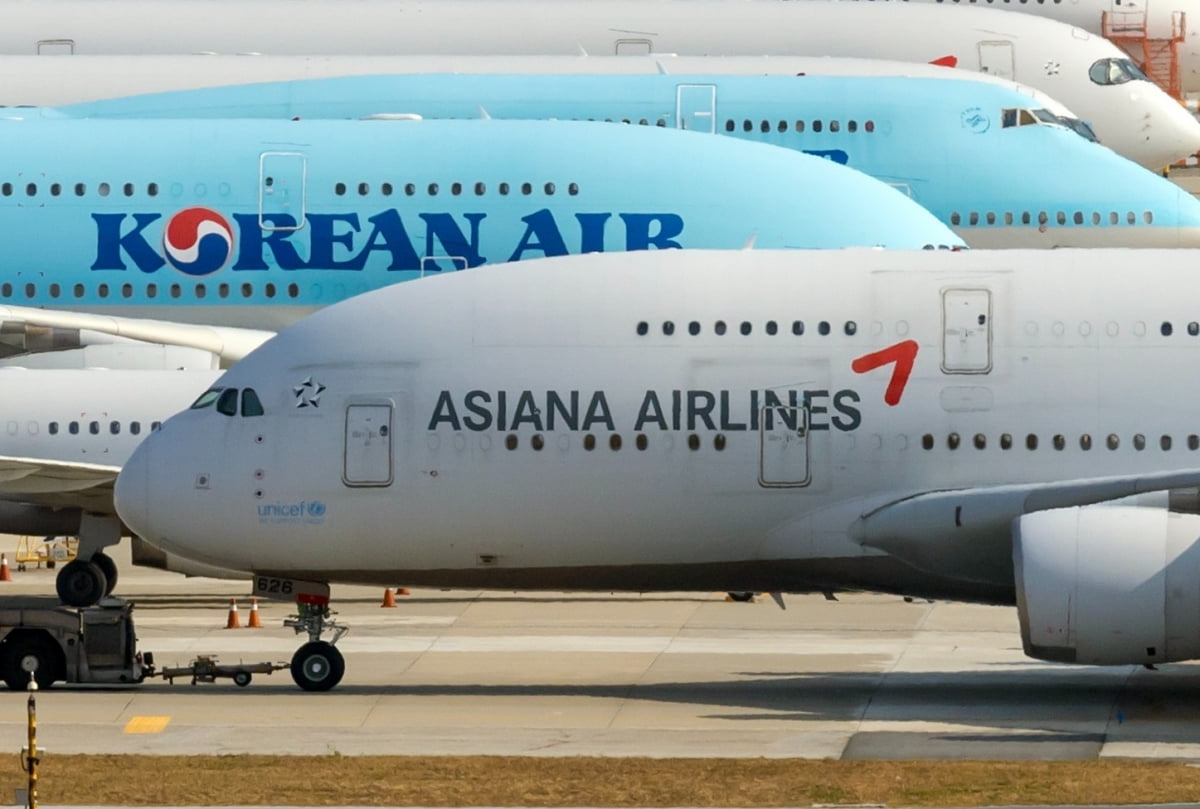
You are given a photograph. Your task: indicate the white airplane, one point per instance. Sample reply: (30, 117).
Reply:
(65, 435)
(1126, 21)
(1085, 72)
(1004, 427)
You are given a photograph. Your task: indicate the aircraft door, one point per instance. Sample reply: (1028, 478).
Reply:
(696, 107)
(368, 454)
(783, 447)
(282, 181)
(966, 331)
(996, 58)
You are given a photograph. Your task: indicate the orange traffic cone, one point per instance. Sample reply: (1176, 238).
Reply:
(389, 598)
(5, 574)
(233, 622)
(254, 623)
(401, 591)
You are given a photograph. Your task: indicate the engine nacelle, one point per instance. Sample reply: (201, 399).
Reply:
(1108, 585)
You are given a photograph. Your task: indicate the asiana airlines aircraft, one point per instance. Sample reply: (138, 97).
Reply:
(1086, 72)
(1040, 186)
(225, 230)
(995, 426)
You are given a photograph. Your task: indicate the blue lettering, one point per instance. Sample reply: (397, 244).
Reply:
(637, 230)
(110, 242)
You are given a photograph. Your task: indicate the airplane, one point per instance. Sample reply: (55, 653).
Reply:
(66, 434)
(1040, 185)
(254, 223)
(36, 82)
(1133, 19)
(228, 230)
(1007, 427)
(1087, 73)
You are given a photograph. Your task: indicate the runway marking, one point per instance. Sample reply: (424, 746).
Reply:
(147, 724)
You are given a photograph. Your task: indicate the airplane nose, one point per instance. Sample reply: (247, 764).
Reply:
(1176, 131)
(132, 491)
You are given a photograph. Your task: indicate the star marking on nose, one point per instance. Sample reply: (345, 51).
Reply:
(308, 393)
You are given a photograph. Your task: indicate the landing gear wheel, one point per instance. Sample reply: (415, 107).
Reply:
(241, 678)
(740, 595)
(81, 584)
(109, 568)
(318, 666)
(28, 653)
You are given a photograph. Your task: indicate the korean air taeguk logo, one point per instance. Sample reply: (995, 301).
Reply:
(197, 241)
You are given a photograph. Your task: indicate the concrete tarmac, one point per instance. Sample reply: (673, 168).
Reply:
(682, 674)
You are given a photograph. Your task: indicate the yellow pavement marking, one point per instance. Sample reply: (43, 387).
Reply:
(147, 724)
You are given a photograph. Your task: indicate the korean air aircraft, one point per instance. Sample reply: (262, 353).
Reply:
(1086, 72)
(1040, 184)
(252, 223)
(995, 426)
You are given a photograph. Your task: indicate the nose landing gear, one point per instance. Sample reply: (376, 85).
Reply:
(317, 665)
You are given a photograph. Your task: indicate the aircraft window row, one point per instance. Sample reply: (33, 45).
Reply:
(457, 189)
(95, 427)
(80, 189)
(226, 400)
(537, 442)
(746, 328)
(1044, 218)
(1115, 71)
(799, 126)
(198, 291)
(1059, 441)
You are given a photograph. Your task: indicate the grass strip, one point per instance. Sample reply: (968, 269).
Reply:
(529, 781)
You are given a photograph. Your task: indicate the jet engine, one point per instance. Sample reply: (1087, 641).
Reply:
(1108, 584)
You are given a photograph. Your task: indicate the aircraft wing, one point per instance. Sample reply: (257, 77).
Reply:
(957, 530)
(227, 342)
(58, 483)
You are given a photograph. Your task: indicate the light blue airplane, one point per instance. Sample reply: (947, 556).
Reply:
(253, 222)
(988, 160)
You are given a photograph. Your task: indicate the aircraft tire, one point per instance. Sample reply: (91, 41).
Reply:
(741, 595)
(25, 652)
(109, 568)
(318, 666)
(80, 584)
(242, 678)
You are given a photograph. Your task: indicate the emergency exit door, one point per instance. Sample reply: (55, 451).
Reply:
(696, 107)
(783, 447)
(368, 454)
(966, 331)
(282, 180)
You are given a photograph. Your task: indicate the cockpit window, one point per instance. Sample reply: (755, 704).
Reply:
(227, 402)
(1115, 71)
(1080, 128)
(251, 406)
(207, 398)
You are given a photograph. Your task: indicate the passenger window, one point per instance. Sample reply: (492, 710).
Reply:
(135, 428)
(94, 428)
(114, 427)
(227, 402)
(73, 428)
(53, 428)
(251, 406)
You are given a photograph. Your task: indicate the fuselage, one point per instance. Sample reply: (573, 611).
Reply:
(688, 419)
(1158, 21)
(1040, 185)
(254, 223)
(1127, 112)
